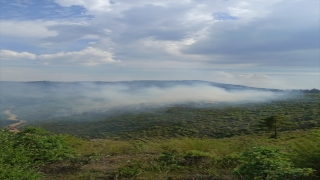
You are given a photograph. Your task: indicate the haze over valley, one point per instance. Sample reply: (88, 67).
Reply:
(105, 104)
(55, 99)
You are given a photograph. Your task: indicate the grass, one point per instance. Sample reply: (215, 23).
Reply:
(35, 150)
(180, 158)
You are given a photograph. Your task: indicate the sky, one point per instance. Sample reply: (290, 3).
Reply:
(269, 44)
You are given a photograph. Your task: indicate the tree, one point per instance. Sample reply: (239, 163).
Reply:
(272, 123)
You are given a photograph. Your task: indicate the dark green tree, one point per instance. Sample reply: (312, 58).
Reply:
(273, 123)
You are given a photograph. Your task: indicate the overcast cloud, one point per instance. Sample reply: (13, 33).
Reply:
(259, 43)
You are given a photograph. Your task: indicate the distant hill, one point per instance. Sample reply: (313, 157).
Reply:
(5, 85)
(189, 107)
(37, 100)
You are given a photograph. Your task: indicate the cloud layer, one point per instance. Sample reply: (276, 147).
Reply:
(11, 55)
(88, 57)
(236, 37)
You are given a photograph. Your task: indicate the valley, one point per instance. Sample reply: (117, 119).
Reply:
(78, 131)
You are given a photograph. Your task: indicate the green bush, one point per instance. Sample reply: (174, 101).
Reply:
(18, 172)
(42, 146)
(127, 172)
(266, 163)
(307, 152)
(170, 159)
(22, 153)
(196, 158)
(13, 162)
(229, 161)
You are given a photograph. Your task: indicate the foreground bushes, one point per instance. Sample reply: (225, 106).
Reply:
(307, 152)
(265, 163)
(23, 153)
(259, 163)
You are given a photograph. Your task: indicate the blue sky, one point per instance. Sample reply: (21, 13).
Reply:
(273, 44)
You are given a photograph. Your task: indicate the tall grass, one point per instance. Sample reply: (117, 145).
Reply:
(307, 151)
(193, 158)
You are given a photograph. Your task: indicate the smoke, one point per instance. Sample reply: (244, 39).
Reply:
(139, 96)
(116, 96)
(69, 98)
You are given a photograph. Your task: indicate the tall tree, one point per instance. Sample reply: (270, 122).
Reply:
(272, 123)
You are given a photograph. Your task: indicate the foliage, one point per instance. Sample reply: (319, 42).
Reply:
(170, 159)
(174, 161)
(18, 172)
(307, 151)
(126, 172)
(196, 158)
(23, 152)
(176, 121)
(13, 162)
(42, 146)
(227, 162)
(266, 163)
(179, 158)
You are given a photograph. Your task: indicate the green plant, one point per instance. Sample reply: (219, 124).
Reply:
(195, 157)
(266, 163)
(227, 161)
(13, 162)
(307, 151)
(18, 172)
(23, 153)
(127, 172)
(169, 158)
(42, 146)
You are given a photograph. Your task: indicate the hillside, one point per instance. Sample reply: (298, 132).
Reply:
(206, 120)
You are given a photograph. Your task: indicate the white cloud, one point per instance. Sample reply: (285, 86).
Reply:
(89, 56)
(98, 7)
(12, 55)
(27, 29)
(238, 12)
(284, 33)
(181, 34)
(91, 5)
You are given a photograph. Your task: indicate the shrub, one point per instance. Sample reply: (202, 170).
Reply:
(229, 161)
(21, 153)
(307, 152)
(127, 172)
(265, 163)
(18, 172)
(195, 158)
(170, 158)
(42, 146)
(13, 162)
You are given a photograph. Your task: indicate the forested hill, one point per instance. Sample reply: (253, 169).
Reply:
(185, 121)
(141, 108)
